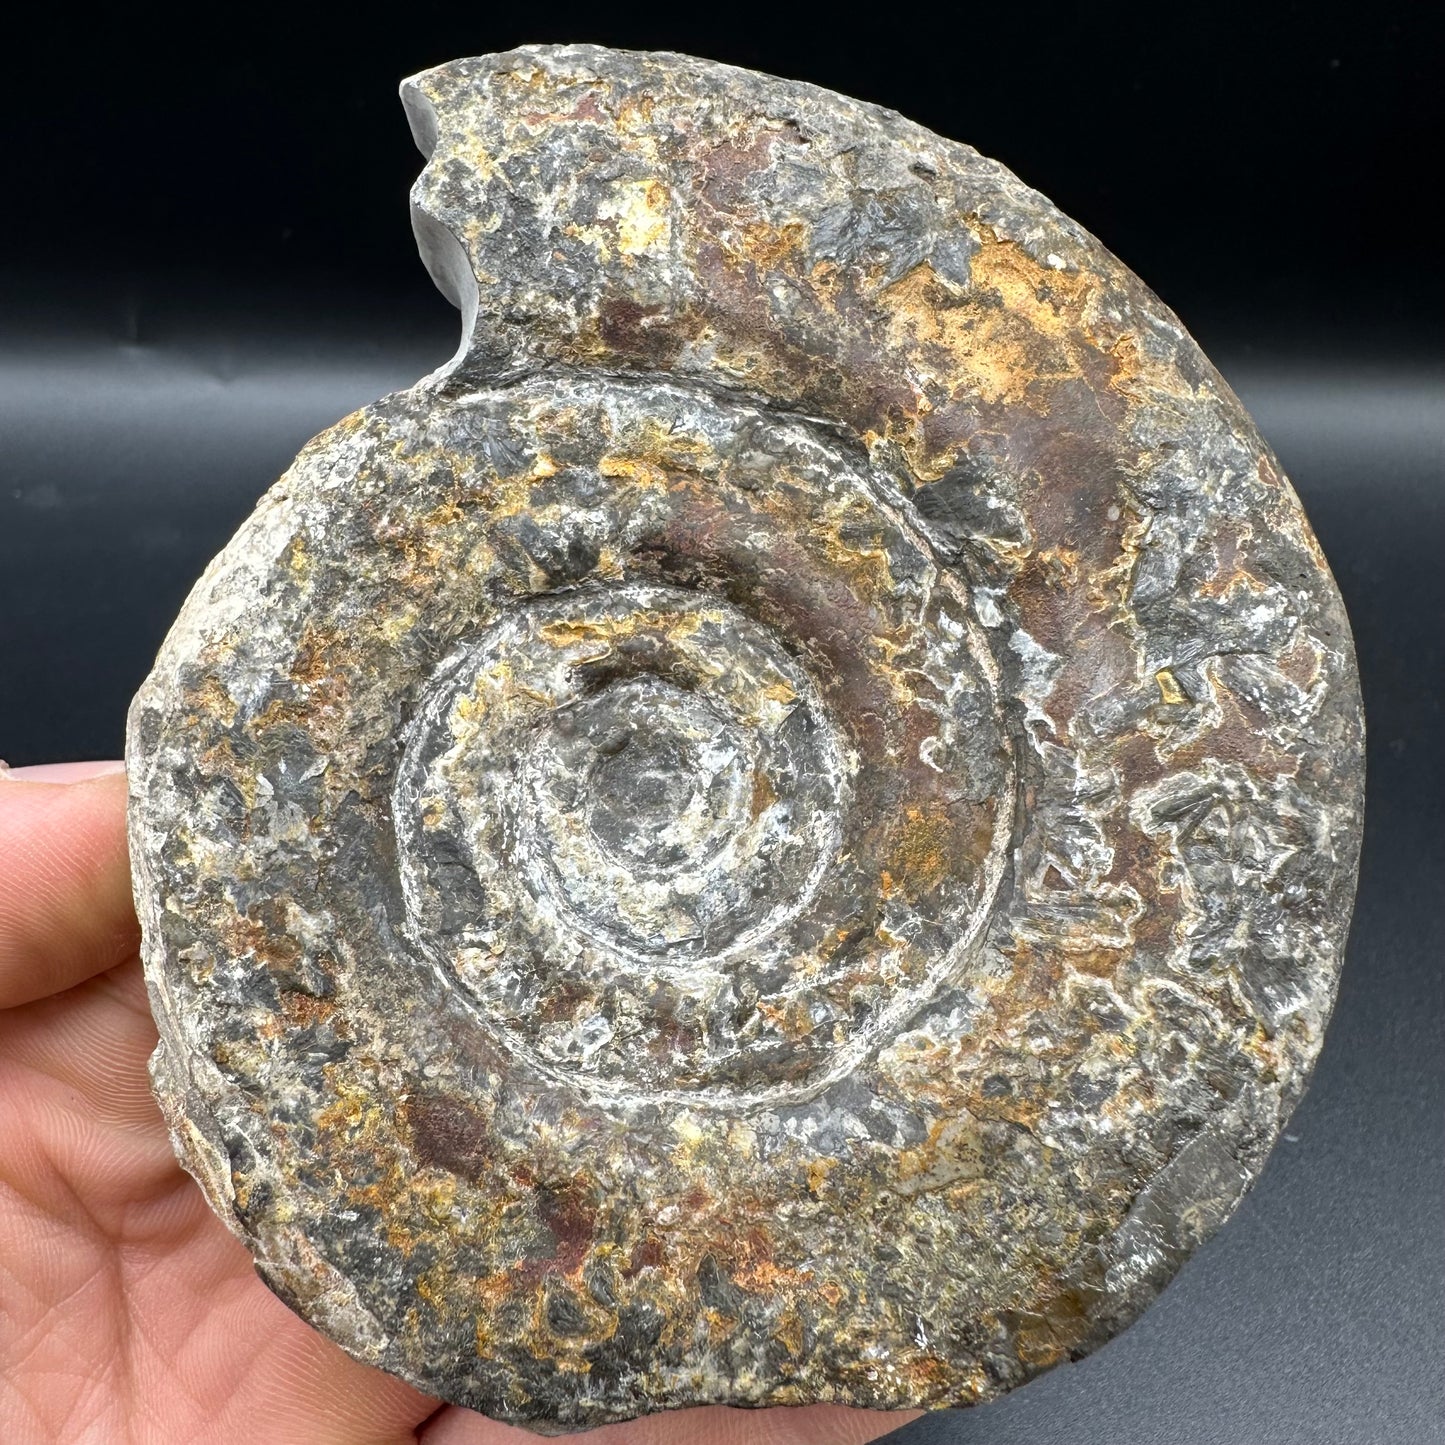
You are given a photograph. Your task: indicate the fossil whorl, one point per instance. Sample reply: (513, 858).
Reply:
(782, 829)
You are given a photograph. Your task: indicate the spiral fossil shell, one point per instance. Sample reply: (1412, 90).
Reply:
(781, 829)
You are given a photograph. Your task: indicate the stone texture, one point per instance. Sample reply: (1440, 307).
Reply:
(782, 829)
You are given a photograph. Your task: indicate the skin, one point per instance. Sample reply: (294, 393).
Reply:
(127, 1312)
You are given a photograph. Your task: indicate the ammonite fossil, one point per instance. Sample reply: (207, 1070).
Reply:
(782, 828)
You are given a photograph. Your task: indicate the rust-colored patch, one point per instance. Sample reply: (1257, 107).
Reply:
(447, 1133)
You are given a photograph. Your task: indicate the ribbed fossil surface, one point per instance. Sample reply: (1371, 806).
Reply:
(781, 829)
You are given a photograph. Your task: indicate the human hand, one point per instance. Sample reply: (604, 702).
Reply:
(127, 1311)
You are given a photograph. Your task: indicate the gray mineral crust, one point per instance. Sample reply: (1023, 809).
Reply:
(782, 828)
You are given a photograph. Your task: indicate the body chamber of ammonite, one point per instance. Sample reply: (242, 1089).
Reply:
(781, 829)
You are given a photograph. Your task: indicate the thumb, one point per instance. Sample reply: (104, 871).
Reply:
(65, 900)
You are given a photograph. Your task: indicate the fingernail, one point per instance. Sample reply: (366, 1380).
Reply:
(62, 772)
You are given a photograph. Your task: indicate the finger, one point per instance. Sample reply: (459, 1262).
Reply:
(710, 1425)
(65, 900)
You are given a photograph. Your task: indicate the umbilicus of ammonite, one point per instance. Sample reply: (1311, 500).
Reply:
(781, 829)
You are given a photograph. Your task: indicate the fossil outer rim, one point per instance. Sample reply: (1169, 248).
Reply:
(1081, 740)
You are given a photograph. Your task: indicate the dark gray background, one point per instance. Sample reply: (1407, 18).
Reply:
(205, 258)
